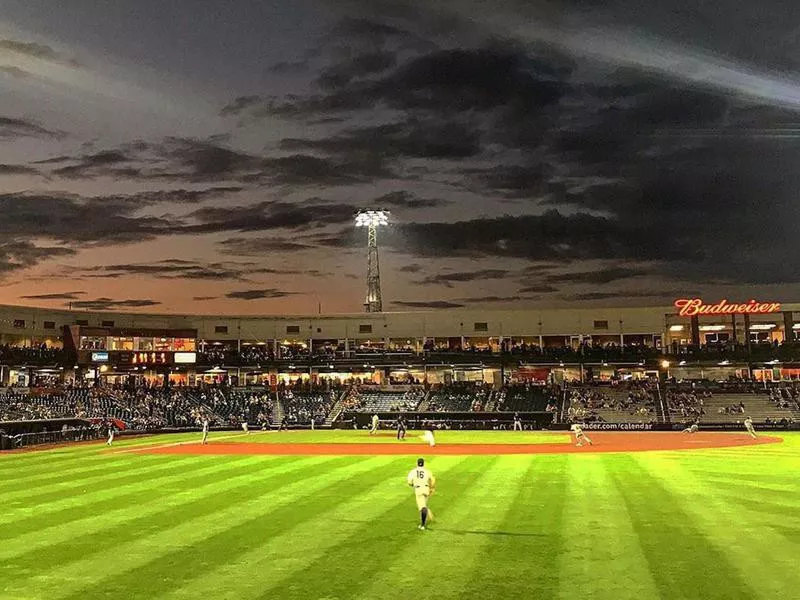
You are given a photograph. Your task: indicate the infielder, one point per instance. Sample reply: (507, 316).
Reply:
(205, 430)
(427, 436)
(580, 437)
(693, 428)
(748, 424)
(375, 422)
(424, 484)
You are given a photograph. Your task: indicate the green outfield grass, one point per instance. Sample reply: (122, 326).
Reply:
(80, 523)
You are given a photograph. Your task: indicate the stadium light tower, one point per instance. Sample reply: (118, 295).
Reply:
(372, 219)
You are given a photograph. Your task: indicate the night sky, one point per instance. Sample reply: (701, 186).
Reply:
(172, 157)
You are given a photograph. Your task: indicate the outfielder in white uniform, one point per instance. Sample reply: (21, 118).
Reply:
(205, 430)
(693, 428)
(427, 436)
(375, 422)
(580, 437)
(110, 435)
(245, 427)
(424, 484)
(748, 424)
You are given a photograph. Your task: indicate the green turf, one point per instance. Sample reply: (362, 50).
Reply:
(80, 523)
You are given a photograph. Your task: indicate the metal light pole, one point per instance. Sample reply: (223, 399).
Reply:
(372, 219)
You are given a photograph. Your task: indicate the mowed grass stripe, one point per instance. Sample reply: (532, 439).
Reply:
(375, 548)
(60, 478)
(135, 472)
(683, 561)
(601, 557)
(466, 520)
(103, 500)
(529, 538)
(371, 508)
(168, 558)
(65, 542)
(744, 543)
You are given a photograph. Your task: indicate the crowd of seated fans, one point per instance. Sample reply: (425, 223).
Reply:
(528, 397)
(301, 408)
(687, 403)
(459, 397)
(588, 403)
(786, 398)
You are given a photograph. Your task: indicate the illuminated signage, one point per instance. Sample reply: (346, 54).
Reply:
(183, 358)
(99, 356)
(690, 307)
(154, 358)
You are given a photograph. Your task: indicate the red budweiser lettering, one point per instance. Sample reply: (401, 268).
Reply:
(689, 307)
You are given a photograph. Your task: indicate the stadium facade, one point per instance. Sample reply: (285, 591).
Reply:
(484, 334)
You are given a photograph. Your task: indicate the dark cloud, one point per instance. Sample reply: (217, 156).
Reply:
(586, 296)
(441, 81)
(260, 246)
(70, 218)
(404, 199)
(447, 279)
(412, 268)
(427, 304)
(55, 296)
(537, 289)
(493, 299)
(16, 255)
(17, 170)
(108, 303)
(268, 293)
(414, 138)
(599, 276)
(266, 216)
(187, 269)
(14, 71)
(14, 128)
(34, 50)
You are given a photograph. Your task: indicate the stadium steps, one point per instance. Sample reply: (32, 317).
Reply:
(194, 398)
(491, 403)
(425, 403)
(336, 410)
(278, 412)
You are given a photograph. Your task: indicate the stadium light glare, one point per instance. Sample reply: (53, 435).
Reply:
(372, 218)
(665, 364)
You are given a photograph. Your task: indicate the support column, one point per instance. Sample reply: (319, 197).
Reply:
(694, 324)
(788, 326)
(747, 332)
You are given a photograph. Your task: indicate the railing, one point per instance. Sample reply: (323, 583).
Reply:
(23, 440)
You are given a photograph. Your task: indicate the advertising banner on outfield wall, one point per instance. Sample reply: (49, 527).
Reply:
(618, 426)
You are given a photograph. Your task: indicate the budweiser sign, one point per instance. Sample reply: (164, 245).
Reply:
(689, 307)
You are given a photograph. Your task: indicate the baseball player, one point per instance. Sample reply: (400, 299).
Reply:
(693, 428)
(245, 427)
(748, 424)
(110, 435)
(375, 422)
(580, 437)
(424, 484)
(401, 427)
(517, 422)
(427, 437)
(205, 430)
